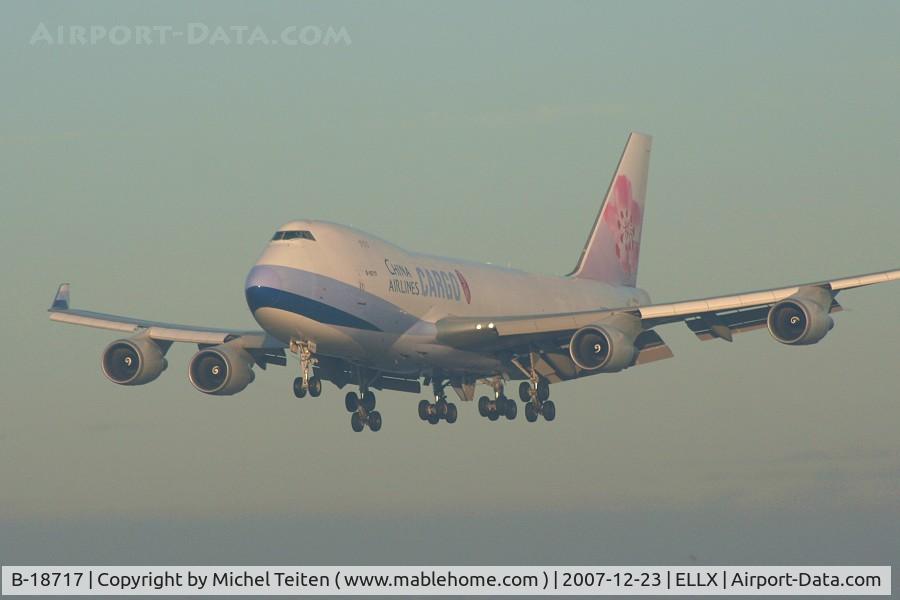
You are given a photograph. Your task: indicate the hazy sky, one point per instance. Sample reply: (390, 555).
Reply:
(152, 176)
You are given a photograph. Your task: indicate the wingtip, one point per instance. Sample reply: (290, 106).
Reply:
(61, 299)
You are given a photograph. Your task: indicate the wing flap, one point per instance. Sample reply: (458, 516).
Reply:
(554, 366)
(651, 348)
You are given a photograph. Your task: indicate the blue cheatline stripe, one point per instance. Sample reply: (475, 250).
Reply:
(266, 297)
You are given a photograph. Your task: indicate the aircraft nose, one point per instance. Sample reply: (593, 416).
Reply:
(262, 286)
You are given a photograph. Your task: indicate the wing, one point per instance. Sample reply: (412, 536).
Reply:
(264, 347)
(722, 316)
(709, 318)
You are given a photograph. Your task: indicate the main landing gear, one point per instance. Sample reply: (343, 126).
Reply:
(439, 409)
(535, 393)
(500, 406)
(307, 382)
(362, 406)
(536, 397)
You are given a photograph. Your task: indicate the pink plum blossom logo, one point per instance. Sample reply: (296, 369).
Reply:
(623, 217)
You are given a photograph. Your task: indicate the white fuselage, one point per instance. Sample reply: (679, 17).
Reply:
(357, 297)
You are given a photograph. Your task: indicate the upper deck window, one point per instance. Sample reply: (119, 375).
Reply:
(293, 235)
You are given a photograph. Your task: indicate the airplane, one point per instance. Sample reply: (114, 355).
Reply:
(357, 310)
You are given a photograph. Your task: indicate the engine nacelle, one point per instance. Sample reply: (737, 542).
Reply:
(597, 348)
(221, 370)
(133, 361)
(799, 321)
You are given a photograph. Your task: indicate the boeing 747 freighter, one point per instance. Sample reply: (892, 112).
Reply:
(358, 311)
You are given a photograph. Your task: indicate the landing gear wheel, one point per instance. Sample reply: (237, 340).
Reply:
(530, 413)
(374, 420)
(315, 386)
(351, 401)
(484, 406)
(423, 409)
(356, 422)
(299, 388)
(525, 391)
(368, 400)
(434, 418)
(543, 390)
(512, 409)
(548, 409)
(451, 415)
(494, 415)
(441, 407)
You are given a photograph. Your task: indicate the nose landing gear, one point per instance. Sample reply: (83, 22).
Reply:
(307, 382)
(313, 385)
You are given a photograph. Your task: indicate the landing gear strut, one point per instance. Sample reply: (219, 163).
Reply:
(308, 381)
(433, 412)
(535, 393)
(500, 406)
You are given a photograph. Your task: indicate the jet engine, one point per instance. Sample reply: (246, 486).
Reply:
(597, 348)
(221, 370)
(799, 321)
(133, 361)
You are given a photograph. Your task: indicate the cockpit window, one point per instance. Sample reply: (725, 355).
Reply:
(293, 235)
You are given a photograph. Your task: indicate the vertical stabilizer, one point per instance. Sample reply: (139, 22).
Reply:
(613, 247)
